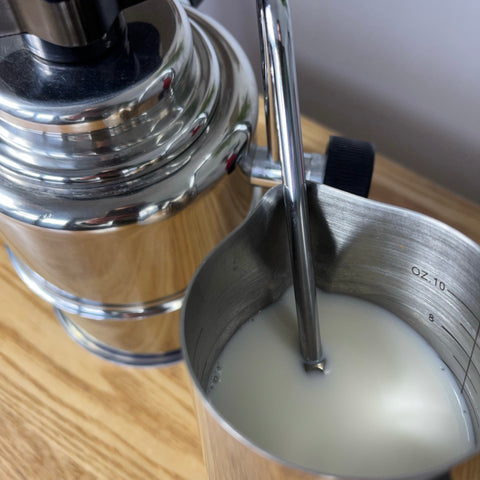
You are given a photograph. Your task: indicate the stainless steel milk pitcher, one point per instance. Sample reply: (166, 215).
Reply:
(421, 270)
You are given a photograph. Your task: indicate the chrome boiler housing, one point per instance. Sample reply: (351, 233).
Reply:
(117, 162)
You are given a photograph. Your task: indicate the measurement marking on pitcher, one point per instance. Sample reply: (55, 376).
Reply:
(467, 332)
(462, 368)
(429, 278)
(436, 282)
(472, 384)
(470, 359)
(456, 339)
(465, 305)
(475, 340)
(460, 364)
(473, 365)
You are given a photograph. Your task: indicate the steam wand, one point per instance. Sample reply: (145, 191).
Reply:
(285, 143)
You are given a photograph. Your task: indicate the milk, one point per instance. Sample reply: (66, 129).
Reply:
(386, 406)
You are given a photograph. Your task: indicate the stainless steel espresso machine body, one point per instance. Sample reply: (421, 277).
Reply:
(120, 127)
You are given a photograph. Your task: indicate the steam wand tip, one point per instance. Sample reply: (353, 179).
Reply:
(315, 366)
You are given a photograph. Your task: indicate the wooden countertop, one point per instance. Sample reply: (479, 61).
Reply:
(66, 414)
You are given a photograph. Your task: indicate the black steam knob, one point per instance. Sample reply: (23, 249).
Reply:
(349, 165)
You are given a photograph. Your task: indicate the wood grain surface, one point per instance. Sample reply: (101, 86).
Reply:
(65, 414)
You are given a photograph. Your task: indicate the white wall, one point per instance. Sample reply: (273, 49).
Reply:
(404, 74)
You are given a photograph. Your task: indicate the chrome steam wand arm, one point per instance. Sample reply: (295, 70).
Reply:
(285, 143)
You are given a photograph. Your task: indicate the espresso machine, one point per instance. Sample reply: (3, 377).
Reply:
(126, 155)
